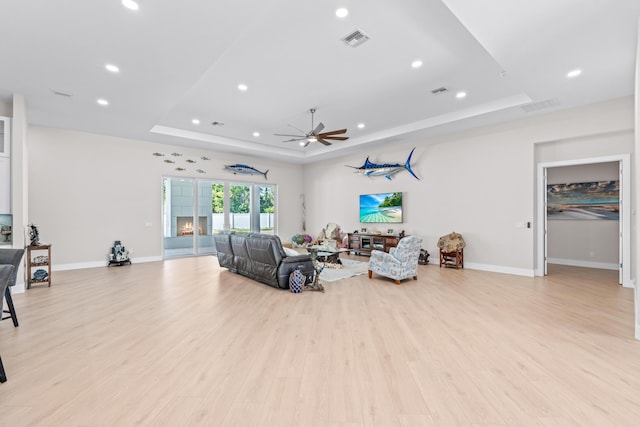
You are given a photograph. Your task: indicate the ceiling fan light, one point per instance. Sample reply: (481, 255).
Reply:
(312, 138)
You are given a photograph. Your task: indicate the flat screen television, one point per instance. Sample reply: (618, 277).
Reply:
(382, 207)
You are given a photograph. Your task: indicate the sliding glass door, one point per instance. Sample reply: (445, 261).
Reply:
(195, 209)
(266, 208)
(178, 216)
(240, 207)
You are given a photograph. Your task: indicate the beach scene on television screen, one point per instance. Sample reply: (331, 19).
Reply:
(384, 207)
(584, 200)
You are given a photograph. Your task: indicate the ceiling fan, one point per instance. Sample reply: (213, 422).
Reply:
(315, 135)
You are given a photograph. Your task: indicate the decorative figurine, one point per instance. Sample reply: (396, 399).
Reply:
(119, 254)
(384, 169)
(245, 170)
(33, 234)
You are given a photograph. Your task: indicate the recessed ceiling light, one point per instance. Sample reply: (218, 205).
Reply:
(301, 143)
(461, 95)
(574, 73)
(342, 12)
(112, 68)
(360, 125)
(195, 121)
(243, 87)
(416, 64)
(102, 102)
(256, 134)
(130, 4)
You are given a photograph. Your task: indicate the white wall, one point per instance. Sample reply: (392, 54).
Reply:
(86, 190)
(586, 243)
(6, 109)
(635, 247)
(479, 183)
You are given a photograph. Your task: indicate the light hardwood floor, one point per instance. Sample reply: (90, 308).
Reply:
(184, 342)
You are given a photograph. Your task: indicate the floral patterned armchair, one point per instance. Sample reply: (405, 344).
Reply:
(400, 263)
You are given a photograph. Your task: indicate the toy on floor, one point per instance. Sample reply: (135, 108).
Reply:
(119, 254)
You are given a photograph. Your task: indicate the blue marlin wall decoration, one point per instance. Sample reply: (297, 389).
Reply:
(384, 169)
(245, 170)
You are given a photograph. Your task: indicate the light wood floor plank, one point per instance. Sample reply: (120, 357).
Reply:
(184, 342)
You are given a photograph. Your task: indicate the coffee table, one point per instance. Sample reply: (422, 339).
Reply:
(326, 254)
(321, 256)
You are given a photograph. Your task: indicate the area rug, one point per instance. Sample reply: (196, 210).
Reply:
(349, 268)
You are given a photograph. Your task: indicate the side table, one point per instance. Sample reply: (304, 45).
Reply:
(34, 259)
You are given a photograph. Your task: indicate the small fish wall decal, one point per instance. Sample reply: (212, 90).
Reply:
(205, 158)
(176, 154)
(190, 161)
(180, 169)
(168, 161)
(158, 154)
(200, 171)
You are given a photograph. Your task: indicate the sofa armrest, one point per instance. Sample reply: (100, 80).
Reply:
(290, 263)
(381, 257)
(296, 258)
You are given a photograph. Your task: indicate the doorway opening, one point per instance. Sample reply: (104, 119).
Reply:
(622, 232)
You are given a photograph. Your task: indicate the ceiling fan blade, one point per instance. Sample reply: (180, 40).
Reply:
(323, 141)
(298, 129)
(318, 128)
(334, 138)
(295, 136)
(306, 144)
(334, 132)
(294, 139)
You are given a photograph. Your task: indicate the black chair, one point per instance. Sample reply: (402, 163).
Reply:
(6, 272)
(11, 257)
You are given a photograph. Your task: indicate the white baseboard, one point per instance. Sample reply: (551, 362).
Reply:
(20, 288)
(636, 293)
(94, 264)
(580, 263)
(500, 269)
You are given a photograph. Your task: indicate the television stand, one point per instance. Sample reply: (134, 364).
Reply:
(364, 243)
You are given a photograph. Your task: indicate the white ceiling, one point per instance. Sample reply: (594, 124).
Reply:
(181, 60)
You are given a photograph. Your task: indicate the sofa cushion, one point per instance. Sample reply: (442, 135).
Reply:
(223, 248)
(240, 253)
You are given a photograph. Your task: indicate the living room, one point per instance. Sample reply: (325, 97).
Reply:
(76, 183)
(183, 341)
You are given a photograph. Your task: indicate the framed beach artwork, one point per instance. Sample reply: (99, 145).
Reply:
(597, 200)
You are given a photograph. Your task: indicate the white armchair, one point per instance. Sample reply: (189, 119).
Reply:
(400, 263)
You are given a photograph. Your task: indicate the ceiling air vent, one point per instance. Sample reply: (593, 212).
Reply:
(440, 91)
(60, 93)
(535, 106)
(356, 38)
